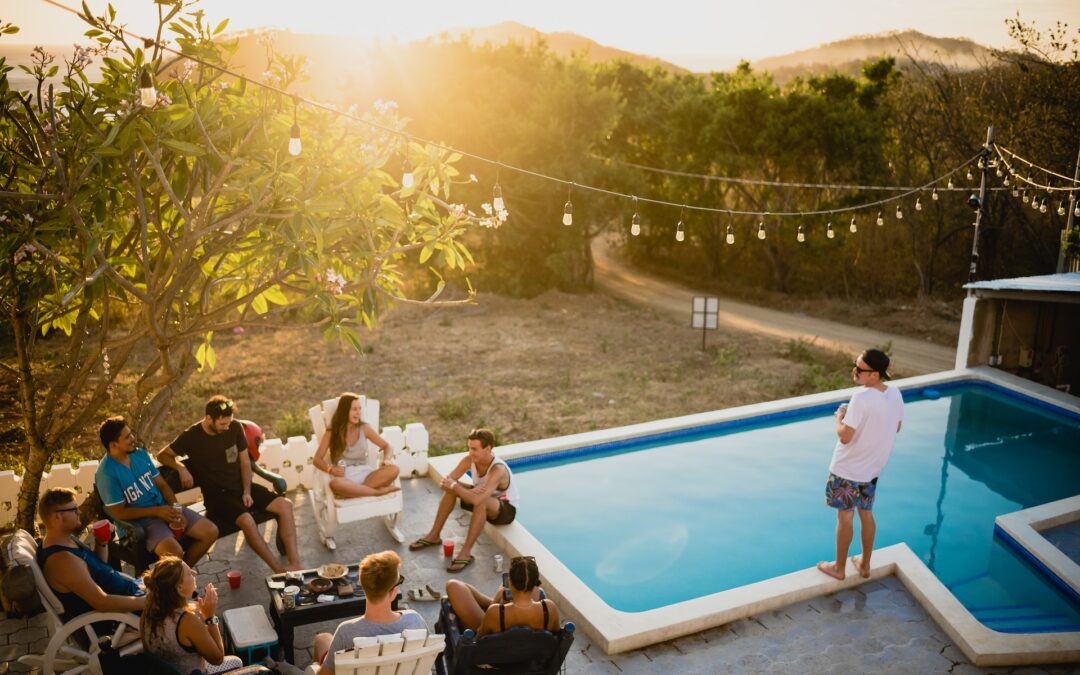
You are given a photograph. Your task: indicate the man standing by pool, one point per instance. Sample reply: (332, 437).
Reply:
(492, 497)
(866, 429)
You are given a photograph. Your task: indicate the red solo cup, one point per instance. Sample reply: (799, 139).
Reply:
(102, 530)
(177, 531)
(448, 547)
(234, 579)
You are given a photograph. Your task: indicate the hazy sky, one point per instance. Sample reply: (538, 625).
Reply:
(693, 33)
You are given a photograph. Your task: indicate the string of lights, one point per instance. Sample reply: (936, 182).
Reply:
(790, 184)
(148, 98)
(1026, 179)
(1048, 172)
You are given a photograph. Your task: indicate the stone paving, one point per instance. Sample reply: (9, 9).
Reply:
(877, 627)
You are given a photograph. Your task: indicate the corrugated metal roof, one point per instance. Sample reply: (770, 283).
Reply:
(1047, 283)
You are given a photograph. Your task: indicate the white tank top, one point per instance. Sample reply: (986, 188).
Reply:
(510, 494)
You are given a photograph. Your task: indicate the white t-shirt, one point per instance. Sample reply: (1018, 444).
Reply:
(875, 416)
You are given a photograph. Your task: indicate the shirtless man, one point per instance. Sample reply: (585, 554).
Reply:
(493, 497)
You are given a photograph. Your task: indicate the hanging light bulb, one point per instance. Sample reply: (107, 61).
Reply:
(496, 198)
(934, 195)
(800, 235)
(1034, 203)
(899, 213)
(829, 231)
(950, 185)
(998, 171)
(147, 92)
(730, 238)
(1015, 191)
(853, 228)
(1042, 205)
(680, 234)
(295, 146)
(918, 204)
(969, 176)
(880, 220)
(1005, 182)
(1076, 211)
(635, 222)
(568, 214)
(1061, 208)
(407, 178)
(1026, 197)
(761, 230)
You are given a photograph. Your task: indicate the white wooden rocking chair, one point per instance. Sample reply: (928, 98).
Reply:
(330, 511)
(74, 646)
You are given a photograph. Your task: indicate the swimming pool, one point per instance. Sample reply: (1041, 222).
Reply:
(713, 508)
(927, 496)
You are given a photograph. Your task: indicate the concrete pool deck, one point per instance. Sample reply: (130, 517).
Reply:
(615, 631)
(875, 627)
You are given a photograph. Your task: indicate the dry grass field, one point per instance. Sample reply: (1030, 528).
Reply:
(529, 369)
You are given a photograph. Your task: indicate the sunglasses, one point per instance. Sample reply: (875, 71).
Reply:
(73, 508)
(225, 406)
(855, 366)
(400, 581)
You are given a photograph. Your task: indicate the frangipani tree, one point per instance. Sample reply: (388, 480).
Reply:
(155, 219)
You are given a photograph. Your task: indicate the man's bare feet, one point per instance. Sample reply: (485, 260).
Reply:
(831, 569)
(864, 572)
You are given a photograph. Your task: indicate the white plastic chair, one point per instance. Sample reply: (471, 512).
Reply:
(64, 653)
(330, 511)
(413, 652)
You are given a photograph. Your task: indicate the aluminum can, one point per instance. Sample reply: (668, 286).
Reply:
(288, 600)
(498, 563)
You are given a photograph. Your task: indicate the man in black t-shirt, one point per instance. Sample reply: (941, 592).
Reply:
(218, 462)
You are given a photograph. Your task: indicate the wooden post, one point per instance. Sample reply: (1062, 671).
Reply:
(1071, 218)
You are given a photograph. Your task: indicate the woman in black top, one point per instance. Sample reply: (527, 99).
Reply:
(525, 607)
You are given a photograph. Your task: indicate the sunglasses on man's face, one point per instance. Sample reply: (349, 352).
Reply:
(855, 366)
(73, 508)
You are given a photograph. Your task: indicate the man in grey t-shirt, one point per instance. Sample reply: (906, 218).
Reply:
(380, 580)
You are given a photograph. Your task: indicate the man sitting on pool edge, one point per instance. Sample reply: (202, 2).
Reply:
(493, 497)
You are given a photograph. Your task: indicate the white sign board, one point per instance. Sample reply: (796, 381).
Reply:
(704, 312)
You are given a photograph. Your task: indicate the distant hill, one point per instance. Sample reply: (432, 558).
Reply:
(847, 56)
(562, 44)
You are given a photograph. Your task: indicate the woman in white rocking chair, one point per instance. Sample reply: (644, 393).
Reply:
(343, 453)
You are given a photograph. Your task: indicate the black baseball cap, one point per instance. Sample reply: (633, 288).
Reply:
(879, 361)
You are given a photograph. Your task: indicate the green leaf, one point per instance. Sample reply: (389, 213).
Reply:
(426, 252)
(350, 336)
(221, 26)
(258, 303)
(183, 147)
(275, 295)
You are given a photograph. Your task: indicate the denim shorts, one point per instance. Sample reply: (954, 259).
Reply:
(843, 494)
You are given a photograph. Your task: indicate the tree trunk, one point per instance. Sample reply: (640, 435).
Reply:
(31, 484)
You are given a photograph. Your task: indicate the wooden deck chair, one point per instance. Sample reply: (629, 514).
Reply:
(74, 646)
(413, 652)
(330, 511)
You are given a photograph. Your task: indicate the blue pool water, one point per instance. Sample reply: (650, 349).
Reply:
(657, 521)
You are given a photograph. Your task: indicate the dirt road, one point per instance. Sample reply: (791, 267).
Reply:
(910, 356)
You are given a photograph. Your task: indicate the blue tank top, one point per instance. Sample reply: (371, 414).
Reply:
(109, 580)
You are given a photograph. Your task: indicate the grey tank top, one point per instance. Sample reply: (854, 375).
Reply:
(165, 644)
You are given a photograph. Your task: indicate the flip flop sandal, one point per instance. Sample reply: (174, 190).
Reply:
(458, 564)
(420, 595)
(422, 543)
(435, 595)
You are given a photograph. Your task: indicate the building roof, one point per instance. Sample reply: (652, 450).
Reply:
(1048, 283)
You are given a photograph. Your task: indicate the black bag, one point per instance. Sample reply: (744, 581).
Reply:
(19, 591)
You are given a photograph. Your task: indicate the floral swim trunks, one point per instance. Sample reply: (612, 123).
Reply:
(843, 494)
